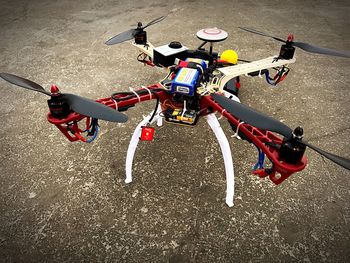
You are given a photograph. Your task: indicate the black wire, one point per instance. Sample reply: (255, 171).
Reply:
(205, 42)
(156, 108)
(129, 95)
(141, 59)
(243, 60)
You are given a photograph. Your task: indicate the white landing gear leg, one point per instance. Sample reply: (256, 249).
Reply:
(226, 152)
(135, 140)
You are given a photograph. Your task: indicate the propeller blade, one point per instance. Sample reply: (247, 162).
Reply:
(334, 158)
(251, 30)
(79, 104)
(304, 46)
(24, 83)
(130, 34)
(252, 117)
(155, 21)
(122, 37)
(93, 109)
(320, 50)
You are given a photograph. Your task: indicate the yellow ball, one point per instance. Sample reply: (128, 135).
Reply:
(230, 56)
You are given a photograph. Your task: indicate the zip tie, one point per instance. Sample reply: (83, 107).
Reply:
(204, 92)
(200, 67)
(116, 104)
(222, 114)
(184, 109)
(203, 89)
(137, 95)
(236, 134)
(150, 93)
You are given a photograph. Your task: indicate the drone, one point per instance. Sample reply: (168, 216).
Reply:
(198, 84)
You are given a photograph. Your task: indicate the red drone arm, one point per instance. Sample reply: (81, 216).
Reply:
(69, 125)
(265, 140)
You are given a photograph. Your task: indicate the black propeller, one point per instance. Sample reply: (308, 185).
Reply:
(78, 104)
(24, 83)
(130, 34)
(261, 121)
(304, 46)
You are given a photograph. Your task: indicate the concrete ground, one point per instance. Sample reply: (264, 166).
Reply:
(67, 202)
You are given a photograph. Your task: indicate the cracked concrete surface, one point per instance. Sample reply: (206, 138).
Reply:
(67, 202)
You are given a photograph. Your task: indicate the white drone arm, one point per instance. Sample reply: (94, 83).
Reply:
(231, 72)
(147, 49)
(242, 69)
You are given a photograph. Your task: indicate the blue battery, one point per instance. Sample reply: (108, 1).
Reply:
(185, 82)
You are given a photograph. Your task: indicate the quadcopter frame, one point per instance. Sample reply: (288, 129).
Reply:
(204, 93)
(267, 141)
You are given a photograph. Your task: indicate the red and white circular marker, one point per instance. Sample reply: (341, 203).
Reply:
(212, 34)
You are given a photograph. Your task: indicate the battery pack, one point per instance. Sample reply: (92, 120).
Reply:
(185, 81)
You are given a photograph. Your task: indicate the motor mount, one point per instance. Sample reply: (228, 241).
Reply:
(140, 35)
(59, 108)
(292, 150)
(287, 50)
